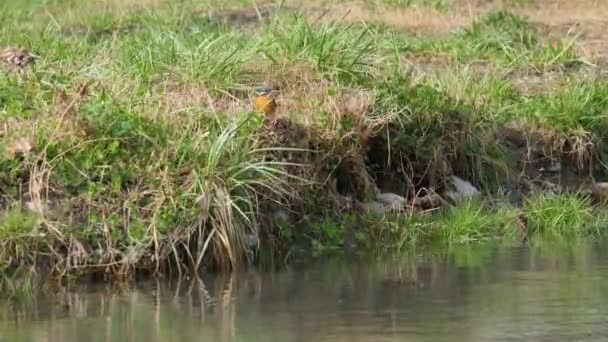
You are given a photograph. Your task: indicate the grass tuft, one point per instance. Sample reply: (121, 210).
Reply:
(562, 216)
(473, 222)
(500, 37)
(336, 51)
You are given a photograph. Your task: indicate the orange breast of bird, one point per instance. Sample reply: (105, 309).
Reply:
(265, 104)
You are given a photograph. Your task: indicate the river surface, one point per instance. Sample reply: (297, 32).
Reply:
(486, 293)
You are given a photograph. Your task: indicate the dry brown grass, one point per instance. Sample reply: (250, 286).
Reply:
(586, 19)
(105, 6)
(312, 101)
(172, 100)
(420, 19)
(555, 12)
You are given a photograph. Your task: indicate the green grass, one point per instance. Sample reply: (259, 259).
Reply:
(146, 154)
(19, 231)
(501, 38)
(542, 218)
(333, 50)
(578, 108)
(563, 217)
(472, 222)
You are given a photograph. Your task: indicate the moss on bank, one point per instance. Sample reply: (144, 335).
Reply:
(131, 145)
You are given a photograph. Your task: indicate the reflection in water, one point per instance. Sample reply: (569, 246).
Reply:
(481, 294)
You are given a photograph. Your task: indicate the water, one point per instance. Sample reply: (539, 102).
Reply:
(470, 294)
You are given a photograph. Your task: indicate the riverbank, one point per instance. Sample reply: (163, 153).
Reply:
(130, 144)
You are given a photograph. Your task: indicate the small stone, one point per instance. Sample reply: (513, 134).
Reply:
(280, 216)
(251, 240)
(392, 200)
(599, 190)
(464, 190)
(429, 201)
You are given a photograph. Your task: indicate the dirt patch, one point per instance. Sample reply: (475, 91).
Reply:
(532, 83)
(584, 20)
(105, 6)
(245, 16)
(95, 34)
(557, 12)
(540, 166)
(416, 19)
(590, 38)
(174, 99)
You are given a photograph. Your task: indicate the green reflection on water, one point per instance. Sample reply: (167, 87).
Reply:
(481, 293)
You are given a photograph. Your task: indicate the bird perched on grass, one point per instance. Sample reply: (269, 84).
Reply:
(264, 101)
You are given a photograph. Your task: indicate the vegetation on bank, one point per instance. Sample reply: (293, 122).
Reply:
(131, 145)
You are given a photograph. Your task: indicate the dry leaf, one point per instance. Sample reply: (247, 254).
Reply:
(35, 206)
(20, 146)
(17, 57)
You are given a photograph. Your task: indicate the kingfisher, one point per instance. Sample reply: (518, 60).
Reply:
(264, 101)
